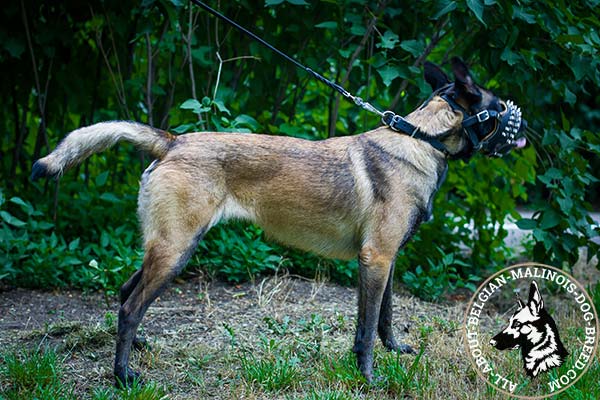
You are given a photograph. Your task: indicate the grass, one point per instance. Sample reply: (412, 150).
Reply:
(33, 374)
(275, 355)
(283, 365)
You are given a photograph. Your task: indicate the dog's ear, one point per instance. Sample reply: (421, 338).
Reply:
(435, 76)
(536, 303)
(465, 85)
(520, 303)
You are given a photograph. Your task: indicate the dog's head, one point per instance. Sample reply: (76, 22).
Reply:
(527, 324)
(489, 124)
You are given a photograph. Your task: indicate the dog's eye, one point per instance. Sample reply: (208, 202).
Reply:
(516, 324)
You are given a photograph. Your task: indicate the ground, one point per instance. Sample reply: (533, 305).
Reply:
(282, 337)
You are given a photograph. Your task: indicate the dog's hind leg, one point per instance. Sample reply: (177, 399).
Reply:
(164, 259)
(384, 328)
(139, 342)
(174, 219)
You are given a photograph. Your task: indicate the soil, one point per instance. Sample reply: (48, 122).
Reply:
(196, 323)
(191, 318)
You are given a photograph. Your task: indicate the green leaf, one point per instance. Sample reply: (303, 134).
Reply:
(327, 25)
(202, 55)
(477, 7)
(388, 40)
(550, 219)
(526, 223)
(9, 219)
(570, 97)
(451, 6)
(104, 239)
(357, 30)
(45, 225)
(520, 13)
(74, 244)
(245, 120)
(414, 47)
(184, 128)
(101, 179)
(28, 208)
(388, 74)
(14, 47)
(191, 104)
(70, 260)
(110, 197)
(565, 203)
(510, 56)
(221, 106)
(270, 3)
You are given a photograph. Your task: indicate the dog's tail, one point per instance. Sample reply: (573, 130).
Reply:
(83, 142)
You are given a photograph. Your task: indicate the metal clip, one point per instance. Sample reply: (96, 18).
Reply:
(483, 116)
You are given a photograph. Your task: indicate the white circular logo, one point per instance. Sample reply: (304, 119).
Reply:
(531, 331)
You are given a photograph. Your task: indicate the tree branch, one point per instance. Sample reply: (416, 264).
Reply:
(359, 48)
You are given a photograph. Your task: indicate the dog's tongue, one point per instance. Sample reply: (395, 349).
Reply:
(521, 142)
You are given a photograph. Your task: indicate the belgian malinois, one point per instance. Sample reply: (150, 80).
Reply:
(344, 197)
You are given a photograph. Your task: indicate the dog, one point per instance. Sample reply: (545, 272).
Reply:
(356, 196)
(534, 331)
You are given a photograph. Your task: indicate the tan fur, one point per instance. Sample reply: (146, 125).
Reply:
(83, 142)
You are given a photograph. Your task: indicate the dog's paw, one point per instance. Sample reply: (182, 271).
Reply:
(404, 348)
(140, 343)
(128, 378)
(365, 366)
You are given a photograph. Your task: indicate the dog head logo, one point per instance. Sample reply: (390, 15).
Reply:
(532, 329)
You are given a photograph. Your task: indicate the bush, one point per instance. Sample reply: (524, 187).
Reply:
(543, 57)
(33, 255)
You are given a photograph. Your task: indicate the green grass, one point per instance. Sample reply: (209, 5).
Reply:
(39, 374)
(292, 359)
(33, 374)
(150, 391)
(275, 373)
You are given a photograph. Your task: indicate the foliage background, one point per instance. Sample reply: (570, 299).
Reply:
(69, 64)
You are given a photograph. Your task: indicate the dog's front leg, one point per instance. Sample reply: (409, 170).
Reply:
(374, 270)
(384, 328)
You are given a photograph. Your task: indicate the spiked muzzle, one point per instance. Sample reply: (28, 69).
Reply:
(506, 133)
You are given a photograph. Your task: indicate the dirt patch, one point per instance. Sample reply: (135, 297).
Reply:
(193, 323)
(199, 330)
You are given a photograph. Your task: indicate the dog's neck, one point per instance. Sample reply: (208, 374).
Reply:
(438, 120)
(435, 118)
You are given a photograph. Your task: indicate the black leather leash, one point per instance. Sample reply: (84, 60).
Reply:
(357, 100)
(389, 118)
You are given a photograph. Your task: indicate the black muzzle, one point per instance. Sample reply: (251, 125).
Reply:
(506, 135)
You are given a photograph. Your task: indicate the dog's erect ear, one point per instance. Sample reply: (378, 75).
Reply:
(435, 76)
(520, 303)
(536, 303)
(465, 84)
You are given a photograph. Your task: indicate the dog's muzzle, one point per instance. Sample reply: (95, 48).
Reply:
(507, 133)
